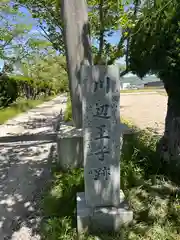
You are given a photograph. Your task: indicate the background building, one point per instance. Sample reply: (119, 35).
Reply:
(134, 82)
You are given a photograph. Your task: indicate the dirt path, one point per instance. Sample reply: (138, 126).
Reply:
(144, 110)
(24, 167)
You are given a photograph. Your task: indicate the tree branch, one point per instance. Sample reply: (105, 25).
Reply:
(101, 35)
(124, 72)
(117, 54)
(7, 42)
(137, 2)
(46, 35)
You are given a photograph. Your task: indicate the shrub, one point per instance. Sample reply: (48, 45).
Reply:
(12, 87)
(8, 90)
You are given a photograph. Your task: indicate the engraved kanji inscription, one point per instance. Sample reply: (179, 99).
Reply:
(101, 111)
(100, 172)
(101, 153)
(102, 132)
(102, 84)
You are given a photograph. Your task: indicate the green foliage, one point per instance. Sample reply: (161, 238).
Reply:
(8, 90)
(47, 11)
(62, 192)
(48, 73)
(44, 76)
(149, 187)
(11, 31)
(104, 18)
(42, 70)
(154, 45)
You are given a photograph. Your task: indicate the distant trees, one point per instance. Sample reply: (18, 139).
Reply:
(31, 67)
(46, 73)
(41, 77)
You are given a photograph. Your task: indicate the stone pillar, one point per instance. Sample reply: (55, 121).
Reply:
(102, 206)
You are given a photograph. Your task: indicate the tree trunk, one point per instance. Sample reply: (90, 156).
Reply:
(78, 50)
(169, 145)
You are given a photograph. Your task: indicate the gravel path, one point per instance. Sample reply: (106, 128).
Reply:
(144, 110)
(24, 167)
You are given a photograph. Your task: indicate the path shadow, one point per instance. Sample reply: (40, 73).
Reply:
(45, 124)
(24, 170)
(40, 118)
(45, 121)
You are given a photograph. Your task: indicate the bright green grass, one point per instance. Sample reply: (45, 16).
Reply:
(149, 186)
(19, 107)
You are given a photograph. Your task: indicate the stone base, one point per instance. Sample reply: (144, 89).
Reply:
(102, 219)
(69, 148)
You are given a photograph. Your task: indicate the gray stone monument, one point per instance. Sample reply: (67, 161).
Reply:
(102, 206)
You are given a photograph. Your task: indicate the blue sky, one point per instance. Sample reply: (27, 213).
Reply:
(27, 19)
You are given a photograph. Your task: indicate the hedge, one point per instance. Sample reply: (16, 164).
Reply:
(12, 87)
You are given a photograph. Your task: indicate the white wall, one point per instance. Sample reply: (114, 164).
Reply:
(126, 85)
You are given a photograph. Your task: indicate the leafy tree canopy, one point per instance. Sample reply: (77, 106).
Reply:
(17, 40)
(155, 43)
(105, 17)
(11, 32)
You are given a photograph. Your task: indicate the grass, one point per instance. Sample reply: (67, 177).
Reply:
(162, 93)
(150, 187)
(148, 89)
(19, 107)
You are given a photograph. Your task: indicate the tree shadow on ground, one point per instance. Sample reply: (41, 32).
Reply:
(45, 123)
(24, 170)
(39, 117)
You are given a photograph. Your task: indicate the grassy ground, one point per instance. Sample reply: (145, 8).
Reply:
(162, 93)
(150, 187)
(159, 91)
(19, 107)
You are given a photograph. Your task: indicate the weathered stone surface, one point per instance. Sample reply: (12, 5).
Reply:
(69, 147)
(101, 134)
(102, 218)
(101, 207)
